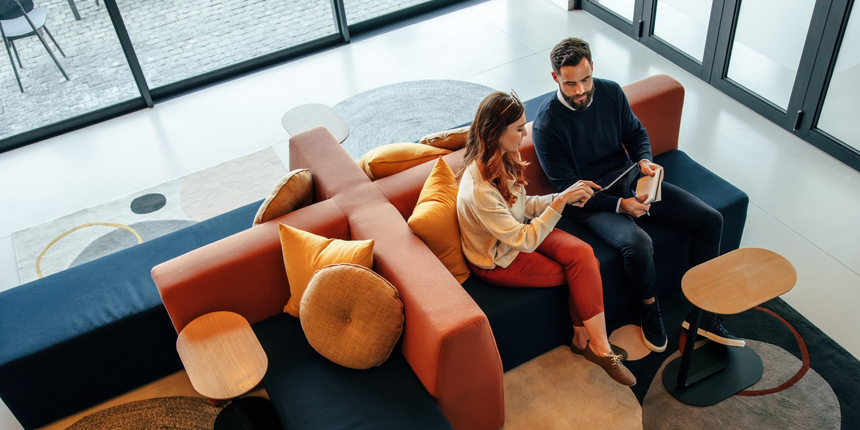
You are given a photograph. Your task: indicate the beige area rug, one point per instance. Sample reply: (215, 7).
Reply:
(109, 227)
(179, 413)
(562, 390)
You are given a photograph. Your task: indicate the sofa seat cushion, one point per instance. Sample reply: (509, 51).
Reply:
(310, 392)
(78, 337)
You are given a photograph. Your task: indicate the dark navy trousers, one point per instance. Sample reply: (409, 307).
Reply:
(679, 210)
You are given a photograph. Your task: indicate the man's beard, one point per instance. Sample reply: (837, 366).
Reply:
(580, 105)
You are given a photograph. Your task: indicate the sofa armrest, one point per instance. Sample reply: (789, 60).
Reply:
(658, 102)
(242, 273)
(447, 339)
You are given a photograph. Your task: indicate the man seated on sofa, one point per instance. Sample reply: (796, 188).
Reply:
(588, 131)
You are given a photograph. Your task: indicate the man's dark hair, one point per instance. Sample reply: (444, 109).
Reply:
(569, 52)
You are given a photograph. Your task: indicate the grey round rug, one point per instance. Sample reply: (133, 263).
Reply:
(181, 413)
(407, 111)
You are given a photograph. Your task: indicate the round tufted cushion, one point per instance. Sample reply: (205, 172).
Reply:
(351, 315)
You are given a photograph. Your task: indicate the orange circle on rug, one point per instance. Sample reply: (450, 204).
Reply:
(804, 356)
(89, 224)
(629, 337)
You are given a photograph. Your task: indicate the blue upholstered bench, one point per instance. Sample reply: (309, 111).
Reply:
(79, 337)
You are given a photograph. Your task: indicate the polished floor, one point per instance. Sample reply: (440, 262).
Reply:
(803, 202)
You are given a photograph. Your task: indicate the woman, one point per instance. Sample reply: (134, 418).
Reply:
(502, 249)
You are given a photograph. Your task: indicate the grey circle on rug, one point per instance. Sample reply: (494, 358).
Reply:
(809, 403)
(407, 111)
(117, 240)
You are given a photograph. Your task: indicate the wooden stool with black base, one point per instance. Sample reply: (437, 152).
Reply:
(729, 284)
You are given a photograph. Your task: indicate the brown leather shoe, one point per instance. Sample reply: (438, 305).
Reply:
(617, 350)
(612, 365)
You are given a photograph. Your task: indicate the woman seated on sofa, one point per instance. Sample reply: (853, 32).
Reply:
(503, 249)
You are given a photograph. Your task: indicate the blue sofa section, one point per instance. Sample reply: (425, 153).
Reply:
(79, 337)
(386, 397)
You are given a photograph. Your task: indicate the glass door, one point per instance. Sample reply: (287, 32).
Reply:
(765, 57)
(625, 15)
(684, 31)
(834, 89)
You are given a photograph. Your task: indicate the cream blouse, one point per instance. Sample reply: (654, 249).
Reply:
(491, 232)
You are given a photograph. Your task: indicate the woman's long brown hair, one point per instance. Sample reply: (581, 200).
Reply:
(495, 113)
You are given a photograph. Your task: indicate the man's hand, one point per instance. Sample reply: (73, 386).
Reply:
(649, 168)
(632, 207)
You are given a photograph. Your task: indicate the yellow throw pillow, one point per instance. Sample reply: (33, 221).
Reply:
(295, 190)
(352, 316)
(449, 139)
(389, 159)
(305, 253)
(434, 219)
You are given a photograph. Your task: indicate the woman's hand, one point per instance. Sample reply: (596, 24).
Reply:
(576, 195)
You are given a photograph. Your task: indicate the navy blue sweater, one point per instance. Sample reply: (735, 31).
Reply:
(590, 144)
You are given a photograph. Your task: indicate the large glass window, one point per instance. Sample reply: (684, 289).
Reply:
(767, 46)
(363, 10)
(684, 25)
(91, 58)
(842, 102)
(177, 39)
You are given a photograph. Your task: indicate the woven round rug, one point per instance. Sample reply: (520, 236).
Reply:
(407, 111)
(180, 413)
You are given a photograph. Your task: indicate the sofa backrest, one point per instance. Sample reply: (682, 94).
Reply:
(656, 100)
(242, 273)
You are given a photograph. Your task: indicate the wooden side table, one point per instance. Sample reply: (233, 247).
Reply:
(729, 284)
(221, 355)
(305, 117)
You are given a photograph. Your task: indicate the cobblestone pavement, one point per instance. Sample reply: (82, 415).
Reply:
(173, 40)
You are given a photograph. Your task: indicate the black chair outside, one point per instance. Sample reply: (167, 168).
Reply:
(18, 19)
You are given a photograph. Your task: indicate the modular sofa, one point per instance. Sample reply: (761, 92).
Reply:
(528, 322)
(92, 332)
(446, 370)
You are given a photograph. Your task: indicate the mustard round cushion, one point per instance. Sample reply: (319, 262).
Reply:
(351, 315)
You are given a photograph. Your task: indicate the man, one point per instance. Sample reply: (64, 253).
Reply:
(589, 132)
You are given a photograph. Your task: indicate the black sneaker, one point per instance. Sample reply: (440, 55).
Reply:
(712, 328)
(653, 332)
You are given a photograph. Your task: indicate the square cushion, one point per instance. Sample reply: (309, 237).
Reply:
(351, 315)
(389, 159)
(434, 219)
(295, 190)
(453, 139)
(305, 253)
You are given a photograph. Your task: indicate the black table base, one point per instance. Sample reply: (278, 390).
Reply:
(716, 372)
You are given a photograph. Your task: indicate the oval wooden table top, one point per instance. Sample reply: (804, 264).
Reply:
(738, 280)
(221, 355)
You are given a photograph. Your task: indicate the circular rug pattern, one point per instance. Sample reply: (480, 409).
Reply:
(181, 413)
(407, 111)
(809, 403)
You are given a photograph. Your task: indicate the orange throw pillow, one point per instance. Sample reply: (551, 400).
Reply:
(305, 253)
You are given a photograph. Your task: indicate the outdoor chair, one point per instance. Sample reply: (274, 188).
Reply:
(18, 19)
